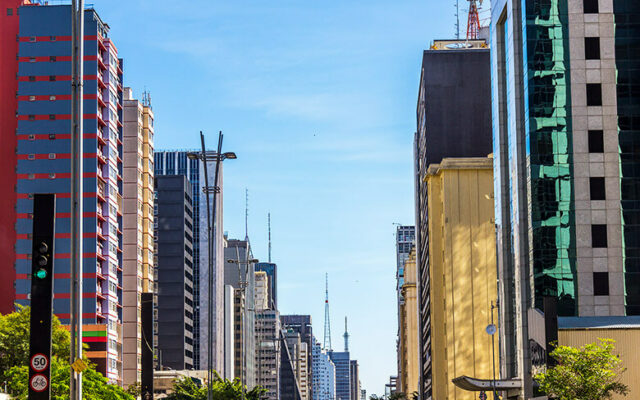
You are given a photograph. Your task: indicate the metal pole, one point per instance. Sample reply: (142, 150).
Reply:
(212, 241)
(209, 322)
(77, 33)
(493, 356)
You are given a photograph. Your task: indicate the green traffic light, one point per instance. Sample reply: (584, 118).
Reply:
(41, 273)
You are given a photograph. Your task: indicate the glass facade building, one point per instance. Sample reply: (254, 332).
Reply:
(565, 116)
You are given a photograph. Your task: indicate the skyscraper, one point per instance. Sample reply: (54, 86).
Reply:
(302, 325)
(43, 166)
(271, 270)
(454, 81)
(138, 232)
(405, 242)
(175, 304)
(240, 274)
(408, 371)
(177, 163)
(342, 363)
(354, 374)
(566, 164)
(291, 374)
(324, 374)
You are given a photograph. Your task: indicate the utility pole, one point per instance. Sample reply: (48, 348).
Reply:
(77, 80)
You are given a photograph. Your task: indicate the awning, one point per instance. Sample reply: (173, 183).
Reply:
(478, 385)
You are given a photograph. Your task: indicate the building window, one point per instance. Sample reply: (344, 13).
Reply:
(596, 141)
(594, 94)
(590, 6)
(598, 236)
(9, 11)
(52, 156)
(600, 283)
(592, 48)
(596, 188)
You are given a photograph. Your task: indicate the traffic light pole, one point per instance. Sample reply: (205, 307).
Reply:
(77, 79)
(42, 255)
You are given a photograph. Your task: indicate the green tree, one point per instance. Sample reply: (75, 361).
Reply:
(591, 372)
(14, 354)
(223, 389)
(14, 339)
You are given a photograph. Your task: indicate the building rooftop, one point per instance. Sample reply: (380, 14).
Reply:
(618, 322)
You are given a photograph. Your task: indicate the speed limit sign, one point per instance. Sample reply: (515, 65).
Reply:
(39, 362)
(39, 383)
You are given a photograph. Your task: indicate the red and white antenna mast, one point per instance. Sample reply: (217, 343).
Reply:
(473, 23)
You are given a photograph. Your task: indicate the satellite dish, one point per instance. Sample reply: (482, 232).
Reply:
(491, 329)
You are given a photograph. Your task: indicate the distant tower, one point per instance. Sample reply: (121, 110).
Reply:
(346, 336)
(269, 226)
(327, 322)
(246, 215)
(473, 23)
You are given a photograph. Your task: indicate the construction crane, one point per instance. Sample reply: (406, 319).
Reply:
(473, 22)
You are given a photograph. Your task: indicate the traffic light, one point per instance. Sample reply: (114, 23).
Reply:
(42, 253)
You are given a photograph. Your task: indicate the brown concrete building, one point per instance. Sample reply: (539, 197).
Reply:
(408, 322)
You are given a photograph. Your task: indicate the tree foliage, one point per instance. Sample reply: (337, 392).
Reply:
(223, 389)
(14, 369)
(591, 372)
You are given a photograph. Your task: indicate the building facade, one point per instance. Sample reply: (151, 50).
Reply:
(271, 269)
(175, 259)
(292, 372)
(341, 361)
(462, 272)
(453, 82)
(405, 241)
(177, 163)
(240, 274)
(43, 153)
(324, 375)
(565, 164)
(408, 373)
(138, 232)
(301, 324)
(268, 343)
(354, 375)
(262, 290)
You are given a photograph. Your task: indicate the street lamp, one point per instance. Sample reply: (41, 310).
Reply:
(206, 156)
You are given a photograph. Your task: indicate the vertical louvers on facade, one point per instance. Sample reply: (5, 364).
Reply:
(43, 166)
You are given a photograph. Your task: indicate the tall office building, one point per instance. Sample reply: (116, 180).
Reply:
(262, 290)
(342, 363)
(462, 260)
(405, 241)
(175, 259)
(268, 343)
(291, 367)
(408, 371)
(354, 375)
(566, 165)
(302, 325)
(271, 270)
(454, 81)
(324, 374)
(137, 230)
(43, 166)
(177, 163)
(240, 274)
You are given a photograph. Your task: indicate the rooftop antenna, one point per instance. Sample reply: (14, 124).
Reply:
(327, 323)
(269, 227)
(146, 98)
(346, 336)
(473, 22)
(246, 214)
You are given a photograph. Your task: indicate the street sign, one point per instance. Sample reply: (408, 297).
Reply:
(39, 383)
(39, 362)
(79, 365)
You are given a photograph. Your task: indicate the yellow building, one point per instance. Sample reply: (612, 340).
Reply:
(462, 266)
(408, 343)
(578, 331)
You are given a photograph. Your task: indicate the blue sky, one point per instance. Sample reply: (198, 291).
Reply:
(318, 100)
